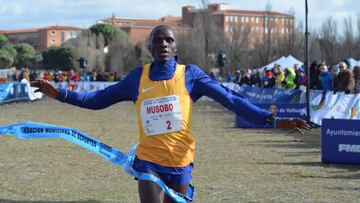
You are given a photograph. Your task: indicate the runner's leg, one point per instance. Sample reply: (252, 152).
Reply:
(150, 192)
(178, 188)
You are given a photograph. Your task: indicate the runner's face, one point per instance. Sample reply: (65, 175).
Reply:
(163, 45)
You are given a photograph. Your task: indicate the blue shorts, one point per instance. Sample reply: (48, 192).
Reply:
(174, 175)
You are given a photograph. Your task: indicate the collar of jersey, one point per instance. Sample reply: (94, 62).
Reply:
(163, 71)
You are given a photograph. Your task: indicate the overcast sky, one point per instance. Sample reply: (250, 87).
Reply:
(23, 14)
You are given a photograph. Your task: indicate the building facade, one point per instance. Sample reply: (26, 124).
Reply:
(257, 23)
(139, 29)
(43, 38)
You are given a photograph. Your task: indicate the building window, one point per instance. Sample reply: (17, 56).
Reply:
(53, 41)
(257, 19)
(226, 18)
(53, 32)
(226, 28)
(257, 29)
(246, 19)
(276, 19)
(235, 18)
(282, 30)
(242, 19)
(266, 30)
(287, 30)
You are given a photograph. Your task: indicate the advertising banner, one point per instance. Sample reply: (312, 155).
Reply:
(280, 110)
(340, 141)
(85, 86)
(12, 92)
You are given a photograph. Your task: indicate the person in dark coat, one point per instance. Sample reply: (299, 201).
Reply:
(345, 80)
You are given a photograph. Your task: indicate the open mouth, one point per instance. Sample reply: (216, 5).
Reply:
(163, 53)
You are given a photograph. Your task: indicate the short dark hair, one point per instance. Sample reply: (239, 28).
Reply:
(159, 27)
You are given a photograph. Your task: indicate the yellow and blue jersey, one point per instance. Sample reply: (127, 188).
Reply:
(194, 84)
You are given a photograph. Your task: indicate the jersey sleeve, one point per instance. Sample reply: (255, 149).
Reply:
(125, 90)
(204, 85)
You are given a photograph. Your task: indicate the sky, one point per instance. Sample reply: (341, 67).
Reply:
(25, 14)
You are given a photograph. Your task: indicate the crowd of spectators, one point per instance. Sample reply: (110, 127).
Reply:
(65, 76)
(337, 78)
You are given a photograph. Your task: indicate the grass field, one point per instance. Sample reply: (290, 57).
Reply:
(231, 165)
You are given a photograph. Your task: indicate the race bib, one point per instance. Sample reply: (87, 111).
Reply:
(161, 115)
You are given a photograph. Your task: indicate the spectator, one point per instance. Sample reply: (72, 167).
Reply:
(100, 77)
(72, 78)
(47, 76)
(33, 75)
(24, 74)
(296, 67)
(356, 72)
(256, 79)
(246, 78)
(314, 76)
(279, 74)
(237, 77)
(325, 79)
(345, 79)
(269, 79)
(59, 77)
(111, 77)
(289, 82)
(301, 78)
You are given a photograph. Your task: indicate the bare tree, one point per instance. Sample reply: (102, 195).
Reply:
(237, 47)
(328, 40)
(121, 54)
(86, 47)
(357, 42)
(100, 55)
(348, 45)
(205, 40)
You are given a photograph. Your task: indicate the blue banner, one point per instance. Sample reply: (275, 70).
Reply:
(340, 141)
(280, 110)
(31, 130)
(269, 95)
(13, 92)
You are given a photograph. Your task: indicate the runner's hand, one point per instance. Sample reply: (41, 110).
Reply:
(293, 124)
(46, 88)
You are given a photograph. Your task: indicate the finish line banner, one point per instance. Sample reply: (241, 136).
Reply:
(340, 141)
(31, 130)
(280, 110)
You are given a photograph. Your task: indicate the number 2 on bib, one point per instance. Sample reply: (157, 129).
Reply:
(168, 124)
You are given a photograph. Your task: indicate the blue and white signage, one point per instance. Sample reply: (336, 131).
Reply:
(280, 110)
(340, 141)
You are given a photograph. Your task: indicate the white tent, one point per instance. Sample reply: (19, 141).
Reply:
(271, 65)
(290, 62)
(353, 62)
(285, 62)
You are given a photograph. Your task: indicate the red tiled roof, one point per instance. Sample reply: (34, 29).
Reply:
(18, 31)
(55, 27)
(59, 27)
(147, 23)
(246, 12)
